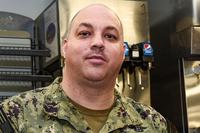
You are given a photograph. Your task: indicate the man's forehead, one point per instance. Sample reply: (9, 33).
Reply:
(96, 10)
(82, 15)
(93, 8)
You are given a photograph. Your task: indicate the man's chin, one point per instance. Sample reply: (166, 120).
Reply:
(95, 77)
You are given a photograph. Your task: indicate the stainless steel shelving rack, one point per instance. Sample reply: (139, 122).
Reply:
(32, 76)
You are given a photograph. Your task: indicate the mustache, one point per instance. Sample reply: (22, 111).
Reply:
(97, 54)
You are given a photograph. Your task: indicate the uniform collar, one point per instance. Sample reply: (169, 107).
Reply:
(56, 104)
(122, 115)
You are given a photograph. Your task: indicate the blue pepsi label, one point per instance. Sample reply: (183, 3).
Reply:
(147, 49)
(126, 49)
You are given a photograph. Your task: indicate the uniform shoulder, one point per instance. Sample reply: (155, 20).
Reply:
(12, 110)
(148, 113)
(38, 93)
(24, 96)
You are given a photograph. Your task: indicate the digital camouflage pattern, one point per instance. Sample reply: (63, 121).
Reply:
(48, 110)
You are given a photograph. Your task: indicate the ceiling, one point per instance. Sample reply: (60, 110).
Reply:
(29, 8)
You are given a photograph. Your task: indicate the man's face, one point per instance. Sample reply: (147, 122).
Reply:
(94, 48)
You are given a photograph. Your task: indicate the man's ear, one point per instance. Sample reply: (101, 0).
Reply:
(64, 47)
(63, 52)
(124, 50)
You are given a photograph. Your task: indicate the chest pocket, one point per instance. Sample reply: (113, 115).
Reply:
(134, 129)
(50, 126)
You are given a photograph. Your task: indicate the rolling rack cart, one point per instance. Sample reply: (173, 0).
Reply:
(20, 56)
(18, 68)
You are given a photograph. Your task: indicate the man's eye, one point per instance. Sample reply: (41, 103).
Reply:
(110, 37)
(84, 34)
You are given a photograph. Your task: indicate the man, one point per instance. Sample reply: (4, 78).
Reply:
(84, 100)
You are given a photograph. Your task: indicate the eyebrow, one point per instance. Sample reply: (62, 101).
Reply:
(88, 25)
(112, 28)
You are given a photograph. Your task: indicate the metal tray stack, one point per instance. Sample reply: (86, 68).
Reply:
(18, 69)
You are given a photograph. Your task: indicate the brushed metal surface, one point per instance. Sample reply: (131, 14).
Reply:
(186, 42)
(192, 91)
(188, 13)
(195, 44)
(135, 84)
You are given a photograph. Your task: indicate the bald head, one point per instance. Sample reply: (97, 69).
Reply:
(94, 49)
(96, 9)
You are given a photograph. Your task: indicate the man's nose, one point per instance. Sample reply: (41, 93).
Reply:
(97, 43)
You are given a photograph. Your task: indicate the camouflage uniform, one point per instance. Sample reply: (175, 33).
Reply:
(48, 110)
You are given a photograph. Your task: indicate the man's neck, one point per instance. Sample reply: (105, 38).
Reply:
(96, 97)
